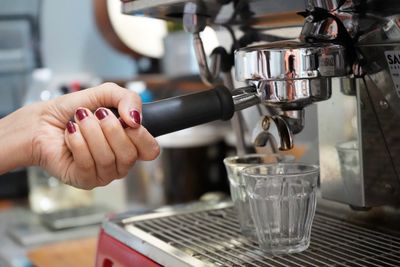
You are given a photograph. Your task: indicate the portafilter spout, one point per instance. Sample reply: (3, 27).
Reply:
(265, 137)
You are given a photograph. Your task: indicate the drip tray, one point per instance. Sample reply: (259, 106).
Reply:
(211, 237)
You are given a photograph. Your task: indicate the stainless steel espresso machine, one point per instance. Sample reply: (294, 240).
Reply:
(347, 58)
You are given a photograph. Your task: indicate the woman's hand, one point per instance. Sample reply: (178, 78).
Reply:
(98, 147)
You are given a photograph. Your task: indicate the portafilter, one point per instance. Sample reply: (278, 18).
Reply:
(285, 75)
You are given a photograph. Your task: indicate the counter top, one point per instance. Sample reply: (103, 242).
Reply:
(68, 253)
(21, 234)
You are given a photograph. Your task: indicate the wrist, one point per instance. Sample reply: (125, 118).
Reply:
(17, 132)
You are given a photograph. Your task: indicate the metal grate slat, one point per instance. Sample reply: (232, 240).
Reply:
(196, 247)
(220, 250)
(250, 246)
(249, 249)
(352, 245)
(253, 247)
(345, 253)
(354, 228)
(214, 237)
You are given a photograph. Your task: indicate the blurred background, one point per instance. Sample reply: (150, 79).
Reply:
(50, 48)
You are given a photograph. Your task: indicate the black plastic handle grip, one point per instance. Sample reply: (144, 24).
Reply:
(177, 113)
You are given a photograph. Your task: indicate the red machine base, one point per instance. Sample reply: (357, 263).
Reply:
(113, 253)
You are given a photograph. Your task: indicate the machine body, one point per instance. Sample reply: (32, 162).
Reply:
(347, 62)
(347, 56)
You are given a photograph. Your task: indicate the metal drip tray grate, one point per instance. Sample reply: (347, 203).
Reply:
(213, 238)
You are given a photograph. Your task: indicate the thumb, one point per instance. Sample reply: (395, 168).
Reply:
(107, 95)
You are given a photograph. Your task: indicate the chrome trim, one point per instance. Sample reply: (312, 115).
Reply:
(289, 60)
(150, 246)
(295, 93)
(171, 210)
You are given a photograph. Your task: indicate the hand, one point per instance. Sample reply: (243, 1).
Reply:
(98, 147)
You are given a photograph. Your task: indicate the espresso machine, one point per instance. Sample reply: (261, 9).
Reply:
(347, 62)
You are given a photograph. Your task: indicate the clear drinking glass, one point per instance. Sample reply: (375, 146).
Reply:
(349, 160)
(282, 200)
(239, 197)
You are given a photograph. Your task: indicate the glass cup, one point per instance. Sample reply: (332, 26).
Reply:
(348, 153)
(239, 197)
(282, 200)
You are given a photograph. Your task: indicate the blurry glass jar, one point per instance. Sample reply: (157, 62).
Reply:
(189, 165)
(47, 194)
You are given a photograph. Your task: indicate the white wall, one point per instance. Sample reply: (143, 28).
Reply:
(72, 44)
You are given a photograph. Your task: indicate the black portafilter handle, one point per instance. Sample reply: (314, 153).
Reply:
(177, 113)
(181, 112)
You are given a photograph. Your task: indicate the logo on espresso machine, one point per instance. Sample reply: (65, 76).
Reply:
(393, 60)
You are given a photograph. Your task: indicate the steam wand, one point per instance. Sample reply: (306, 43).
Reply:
(220, 62)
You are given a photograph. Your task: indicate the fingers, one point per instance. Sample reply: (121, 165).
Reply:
(147, 147)
(83, 169)
(130, 110)
(128, 103)
(106, 95)
(124, 150)
(99, 148)
(102, 149)
(113, 148)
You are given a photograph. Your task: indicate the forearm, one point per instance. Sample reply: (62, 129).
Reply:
(16, 133)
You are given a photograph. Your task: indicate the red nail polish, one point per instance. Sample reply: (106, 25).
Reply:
(71, 127)
(101, 113)
(135, 115)
(124, 125)
(81, 114)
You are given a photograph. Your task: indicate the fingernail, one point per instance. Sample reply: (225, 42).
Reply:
(101, 113)
(135, 115)
(124, 125)
(81, 114)
(71, 127)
